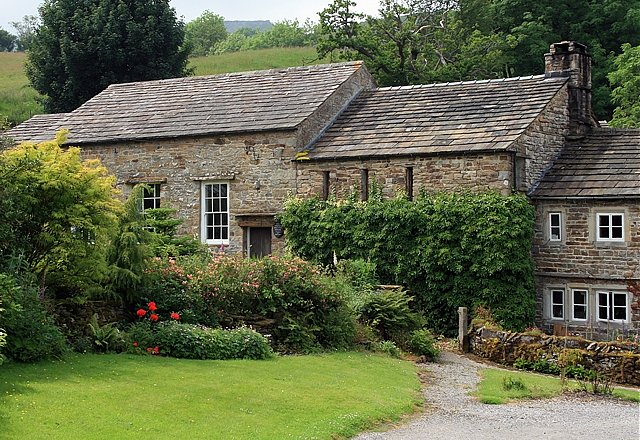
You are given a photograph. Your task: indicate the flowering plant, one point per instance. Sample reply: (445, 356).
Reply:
(151, 314)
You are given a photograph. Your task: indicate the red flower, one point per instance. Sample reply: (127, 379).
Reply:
(156, 349)
(135, 344)
(152, 306)
(175, 316)
(141, 313)
(153, 317)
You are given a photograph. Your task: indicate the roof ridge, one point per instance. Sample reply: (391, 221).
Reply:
(356, 64)
(474, 81)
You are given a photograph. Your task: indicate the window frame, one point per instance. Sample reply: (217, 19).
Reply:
(204, 213)
(155, 195)
(559, 226)
(552, 303)
(610, 226)
(585, 304)
(611, 307)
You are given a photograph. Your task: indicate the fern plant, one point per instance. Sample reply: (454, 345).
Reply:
(105, 337)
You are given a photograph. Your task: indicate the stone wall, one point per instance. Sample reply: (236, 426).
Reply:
(258, 168)
(476, 172)
(579, 261)
(544, 139)
(618, 361)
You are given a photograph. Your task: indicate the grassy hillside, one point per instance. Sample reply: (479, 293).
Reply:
(18, 101)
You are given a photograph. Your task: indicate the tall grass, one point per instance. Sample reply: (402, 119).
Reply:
(19, 101)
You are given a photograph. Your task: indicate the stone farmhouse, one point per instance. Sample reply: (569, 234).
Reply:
(226, 150)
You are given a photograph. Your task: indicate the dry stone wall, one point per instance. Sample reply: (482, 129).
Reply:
(618, 361)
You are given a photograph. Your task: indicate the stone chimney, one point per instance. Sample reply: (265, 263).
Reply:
(571, 59)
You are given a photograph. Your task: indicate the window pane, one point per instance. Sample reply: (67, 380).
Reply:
(604, 232)
(579, 296)
(555, 219)
(558, 311)
(216, 205)
(579, 312)
(603, 220)
(603, 305)
(619, 299)
(208, 205)
(558, 296)
(223, 190)
(208, 191)
(223, 205)
(148, 204)
(217, 219)
(225, 233)
(620, 313)
(208, 220)
(224, 219)
(616, 232)
(209, 233)
(216, 190)
(616, 220)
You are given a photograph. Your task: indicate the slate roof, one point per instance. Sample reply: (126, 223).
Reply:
(605, 164)
(277, 99)
(427, 119)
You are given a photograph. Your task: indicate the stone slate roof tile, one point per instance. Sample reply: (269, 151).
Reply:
(604, 164)
(278, 99)
(435, 118)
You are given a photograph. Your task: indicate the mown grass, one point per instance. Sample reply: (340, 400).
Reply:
(19, 101)
(135, 397)
(535, 386)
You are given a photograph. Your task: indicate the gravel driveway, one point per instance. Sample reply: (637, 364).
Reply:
(452, 414)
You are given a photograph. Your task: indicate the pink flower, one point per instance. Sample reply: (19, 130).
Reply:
(135, 344)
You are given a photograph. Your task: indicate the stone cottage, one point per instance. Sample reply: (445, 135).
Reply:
(226, 150)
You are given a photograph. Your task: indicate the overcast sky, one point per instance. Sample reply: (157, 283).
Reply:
(274, 10)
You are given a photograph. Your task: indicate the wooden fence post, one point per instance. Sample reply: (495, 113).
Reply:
(463, 337)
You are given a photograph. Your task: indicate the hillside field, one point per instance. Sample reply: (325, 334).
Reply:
(18, 101)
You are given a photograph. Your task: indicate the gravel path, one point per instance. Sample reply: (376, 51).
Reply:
(452, 414)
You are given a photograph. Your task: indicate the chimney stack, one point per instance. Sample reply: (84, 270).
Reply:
(571, 59)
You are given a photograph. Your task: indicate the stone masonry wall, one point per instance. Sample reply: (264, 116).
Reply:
(476, 172)
(258, 168)
(543, 141)
(618, 361)
(579, 261)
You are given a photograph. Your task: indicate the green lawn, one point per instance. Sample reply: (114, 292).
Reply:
(18, 101)
(135, 397)
(536, 386)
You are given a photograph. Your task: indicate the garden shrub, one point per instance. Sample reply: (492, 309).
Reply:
(387, 347)
(422, 343)
(287, 298)
(191, 341)
(31, 332)
(389, 314)
(449, 250)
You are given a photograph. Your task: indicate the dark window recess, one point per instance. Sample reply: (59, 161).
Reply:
(519, 173)
(151, 196)
(408, 180)
(364, 185)
(325, 185)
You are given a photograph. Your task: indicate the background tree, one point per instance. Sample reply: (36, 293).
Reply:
(413, 41)
(626, 80)
(7, 41)
(26, 30)
(203, 33)
(417, 41)
(82, 46)
(57, 214)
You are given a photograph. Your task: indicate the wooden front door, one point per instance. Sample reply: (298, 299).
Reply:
(259, 241)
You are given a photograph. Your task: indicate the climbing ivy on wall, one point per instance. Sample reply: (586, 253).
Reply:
(450, 250)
